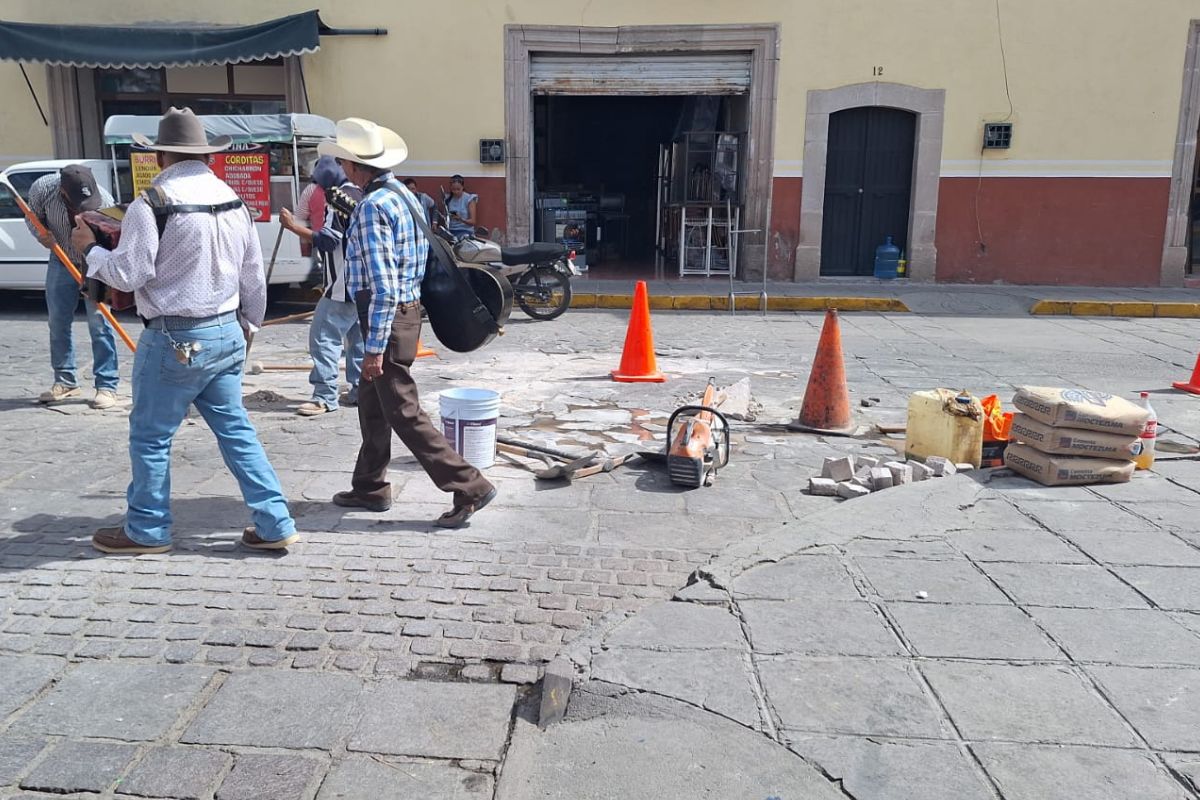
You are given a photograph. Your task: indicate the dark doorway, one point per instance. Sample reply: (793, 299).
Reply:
(600, 155)
(868, 187)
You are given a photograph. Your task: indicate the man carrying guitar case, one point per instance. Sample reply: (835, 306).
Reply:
(386, 260)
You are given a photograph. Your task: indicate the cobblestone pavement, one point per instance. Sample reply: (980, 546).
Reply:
(249, 644)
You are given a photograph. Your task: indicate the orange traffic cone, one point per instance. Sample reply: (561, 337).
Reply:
(637, 360)
(826, 406)
(1192, 386)
(423, 351)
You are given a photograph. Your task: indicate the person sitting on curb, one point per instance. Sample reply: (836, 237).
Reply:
(335, 322)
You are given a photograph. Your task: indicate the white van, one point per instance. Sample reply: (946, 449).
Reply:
(23, 260)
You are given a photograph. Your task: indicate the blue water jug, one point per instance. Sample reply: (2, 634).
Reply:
(887, 259)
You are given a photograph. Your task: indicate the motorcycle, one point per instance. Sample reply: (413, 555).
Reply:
(540, 273)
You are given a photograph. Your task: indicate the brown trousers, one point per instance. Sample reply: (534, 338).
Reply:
(390, 403)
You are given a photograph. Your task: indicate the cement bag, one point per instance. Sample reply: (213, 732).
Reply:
(1052, 470)
(1072, 441)
(1077, 408)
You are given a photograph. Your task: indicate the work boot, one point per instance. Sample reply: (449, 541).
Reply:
(250, 538)
(458, 516)
(313, 408)
(352, 499)
(115, 540)
(57, 393)
(104, 399)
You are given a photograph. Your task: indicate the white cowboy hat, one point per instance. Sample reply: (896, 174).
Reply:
(364, 142)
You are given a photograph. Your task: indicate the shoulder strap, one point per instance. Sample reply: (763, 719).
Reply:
(417, 214)
(157, 200)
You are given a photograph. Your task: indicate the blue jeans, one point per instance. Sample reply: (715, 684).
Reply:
(163, 388)
(334, 323)
(62, 298)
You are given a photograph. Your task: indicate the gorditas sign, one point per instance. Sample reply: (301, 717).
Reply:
(247, 170)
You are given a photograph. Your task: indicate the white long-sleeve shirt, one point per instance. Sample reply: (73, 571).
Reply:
(206, 264)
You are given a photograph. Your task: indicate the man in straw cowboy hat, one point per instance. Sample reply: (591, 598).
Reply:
(386, 261)
(198, 280)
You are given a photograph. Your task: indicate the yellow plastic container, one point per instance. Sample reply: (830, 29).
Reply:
(943, 422)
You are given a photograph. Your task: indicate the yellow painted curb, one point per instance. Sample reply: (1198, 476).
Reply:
(1183, 310)
(1122, 308)
(693, 302)
(1133, 309)
(704, 302)
(1051, 308)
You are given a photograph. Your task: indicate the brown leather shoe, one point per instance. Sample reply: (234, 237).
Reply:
(353, 499)
(250, 538)
(458, 516)
(115, 540)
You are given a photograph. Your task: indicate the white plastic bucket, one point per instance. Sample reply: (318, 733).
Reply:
(469, 422)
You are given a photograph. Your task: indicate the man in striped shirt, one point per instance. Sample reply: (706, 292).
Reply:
(385, 258)
(55, 199)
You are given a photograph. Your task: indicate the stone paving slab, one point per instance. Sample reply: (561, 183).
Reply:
(1064, 586)
(896, 770)
(640, 757)
(280, 777)
(23, 679)
(179, 773)
(813, 627)
(116, 701)
(16, 754)
(1065, 516)
(1120, 636)
(974, 632)
(1042, 772)
(276, 709)
(442, 720)
(718, 681)
(1175, 588)
(360, 778)
(1162, 704)
(1025, 703)
(802, 578)
(1017, 545)
(80, 767)
(1136, 547)
(679, 626)
(850, 696)
(943, 581)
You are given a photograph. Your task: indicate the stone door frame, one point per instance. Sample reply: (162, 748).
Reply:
(929, 107)
(1183, 171)
(761, 40)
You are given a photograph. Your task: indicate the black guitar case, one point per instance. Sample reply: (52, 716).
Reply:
(459, 318)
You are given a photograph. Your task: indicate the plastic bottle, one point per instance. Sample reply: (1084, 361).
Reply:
(1145, 459)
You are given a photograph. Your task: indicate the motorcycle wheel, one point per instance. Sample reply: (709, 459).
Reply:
(543, 293)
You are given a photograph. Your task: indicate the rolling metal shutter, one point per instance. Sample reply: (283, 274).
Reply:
(687, 73)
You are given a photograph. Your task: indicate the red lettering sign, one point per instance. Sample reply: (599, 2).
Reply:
(248, 172)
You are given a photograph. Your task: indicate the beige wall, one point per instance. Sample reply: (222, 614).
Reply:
(1095, 83)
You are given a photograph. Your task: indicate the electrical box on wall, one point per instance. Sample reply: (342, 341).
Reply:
(491, 151)
(997, 135)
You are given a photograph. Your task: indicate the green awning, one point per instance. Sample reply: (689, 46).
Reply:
(178, 45)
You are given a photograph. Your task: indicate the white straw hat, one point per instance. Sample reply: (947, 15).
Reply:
(364, 142)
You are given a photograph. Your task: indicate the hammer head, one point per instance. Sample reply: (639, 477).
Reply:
(257, 368)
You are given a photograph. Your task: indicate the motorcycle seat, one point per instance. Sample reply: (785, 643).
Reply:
(536, 253)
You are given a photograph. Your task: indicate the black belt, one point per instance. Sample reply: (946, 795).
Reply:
(168, 322)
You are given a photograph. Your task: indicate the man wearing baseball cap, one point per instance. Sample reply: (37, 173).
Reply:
(55, 199)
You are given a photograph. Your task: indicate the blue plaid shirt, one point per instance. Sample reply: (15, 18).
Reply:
(385, 255)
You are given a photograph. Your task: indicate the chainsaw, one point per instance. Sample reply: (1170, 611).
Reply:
(698, 441)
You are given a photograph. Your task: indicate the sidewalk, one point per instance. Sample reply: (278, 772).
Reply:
(965, 638)
(855, 294)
